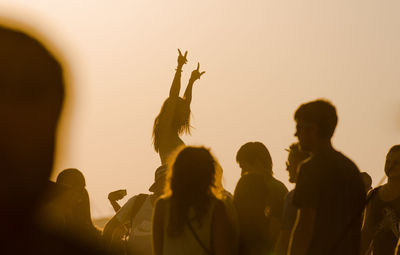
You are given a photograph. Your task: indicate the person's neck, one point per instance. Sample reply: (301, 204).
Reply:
(322, 146)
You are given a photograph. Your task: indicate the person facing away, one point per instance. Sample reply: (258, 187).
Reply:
(329, 193)
(295, 157)
(135, 219)
(174, 117)
(367, 180)
(380, 232)
(31, 100)
(258, 198)
(191, 218)
(78, 219)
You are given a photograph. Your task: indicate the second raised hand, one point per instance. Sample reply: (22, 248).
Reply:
(196, 74)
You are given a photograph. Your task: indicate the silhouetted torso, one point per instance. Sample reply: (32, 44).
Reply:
(385, 216)
(257, 198)
(331, 184)
(169, 142)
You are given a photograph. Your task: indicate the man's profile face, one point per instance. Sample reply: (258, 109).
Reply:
(392, 165)
(305, 133)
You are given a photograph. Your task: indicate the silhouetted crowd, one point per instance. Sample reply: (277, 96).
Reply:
(332, 210)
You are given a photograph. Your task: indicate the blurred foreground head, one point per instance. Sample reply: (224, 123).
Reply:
(31, 99)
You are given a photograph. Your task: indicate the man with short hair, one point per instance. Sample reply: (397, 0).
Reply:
(258, 198)
(329, 192)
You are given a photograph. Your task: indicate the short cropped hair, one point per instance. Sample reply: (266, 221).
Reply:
(395, 148)
(253, 152)
(321, 113)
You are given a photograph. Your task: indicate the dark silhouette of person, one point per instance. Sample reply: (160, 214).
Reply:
(174, 116)
(380, 232)
(189, 218)
(295, 157)
(259, 199)
(367, 181)
(329, 191)
(134, 219)
(31, 100)
(74, 206)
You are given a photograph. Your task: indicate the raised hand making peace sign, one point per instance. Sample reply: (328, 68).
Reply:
(196, 74)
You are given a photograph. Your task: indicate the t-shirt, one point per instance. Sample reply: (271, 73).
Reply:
(385, 216)
(140, 238)
(331, 184)
(257, 198)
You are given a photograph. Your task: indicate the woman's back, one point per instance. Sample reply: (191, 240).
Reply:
(168, 143)
(195, 236)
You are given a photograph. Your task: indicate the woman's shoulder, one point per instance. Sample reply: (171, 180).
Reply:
(162, 202)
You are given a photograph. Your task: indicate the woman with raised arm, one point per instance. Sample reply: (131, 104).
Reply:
(174, 116)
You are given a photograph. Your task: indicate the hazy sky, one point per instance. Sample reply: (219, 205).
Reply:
(262, 60)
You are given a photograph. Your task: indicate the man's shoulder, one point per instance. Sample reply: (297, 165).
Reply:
(345, 161)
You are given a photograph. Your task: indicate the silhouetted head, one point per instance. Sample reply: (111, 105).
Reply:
(159, 180)
(295, 157)
(180, 111)
(71, 177)
(193, 180)
(392, 165)
(367, 180)
(193, 173)
(31, 99)
(254, 157)
(316, 122)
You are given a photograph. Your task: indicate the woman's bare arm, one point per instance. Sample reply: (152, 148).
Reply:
(196, 74)
(176, 83)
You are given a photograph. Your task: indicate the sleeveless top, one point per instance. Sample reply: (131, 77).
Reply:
(186, 243)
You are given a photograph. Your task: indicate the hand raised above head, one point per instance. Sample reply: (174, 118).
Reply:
(182, 58)
(196, 74)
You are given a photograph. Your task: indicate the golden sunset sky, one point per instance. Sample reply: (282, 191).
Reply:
(262, 60)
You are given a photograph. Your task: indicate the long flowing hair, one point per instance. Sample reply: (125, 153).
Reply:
(193, 179)
(180, 120)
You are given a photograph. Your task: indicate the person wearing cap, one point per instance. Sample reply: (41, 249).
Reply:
(134, 219)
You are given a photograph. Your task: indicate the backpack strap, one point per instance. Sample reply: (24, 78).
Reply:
(202, 245)
(137, 204)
